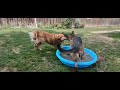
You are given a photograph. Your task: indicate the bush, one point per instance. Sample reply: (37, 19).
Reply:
(40, 24)
(67, 23)
(78, 25)
(82, 26)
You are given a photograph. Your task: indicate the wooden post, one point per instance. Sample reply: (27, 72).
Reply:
(35, 21)
(97, 21)
(1, 21)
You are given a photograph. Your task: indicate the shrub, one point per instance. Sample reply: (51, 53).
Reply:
(78, 25)
(40, 24)
(82, 26)
(67, 23)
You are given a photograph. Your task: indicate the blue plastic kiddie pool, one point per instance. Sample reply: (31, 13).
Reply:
(80, 64)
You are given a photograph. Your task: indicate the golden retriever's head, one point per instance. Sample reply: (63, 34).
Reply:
(70, 36)
(61, 37)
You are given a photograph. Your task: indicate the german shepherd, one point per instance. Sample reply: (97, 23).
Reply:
(40, 37)
(77, 49)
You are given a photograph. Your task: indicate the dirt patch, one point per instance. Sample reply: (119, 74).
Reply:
(44, 58)
(1, 42)
(7, 69)
(99, 38)
(48, 52)
(118, 60)
(20, 46)
(16, 50)
(104, 39)
(106, 31)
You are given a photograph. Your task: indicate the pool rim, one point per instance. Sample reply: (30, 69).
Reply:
(80, 64)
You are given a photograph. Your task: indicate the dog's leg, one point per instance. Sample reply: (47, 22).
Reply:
(82, 56)
(81, 53)
(76, 66)
(74, 69)
(37, 45)
(55, 46)
(74, 57)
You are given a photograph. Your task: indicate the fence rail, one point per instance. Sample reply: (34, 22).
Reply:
(50, 21)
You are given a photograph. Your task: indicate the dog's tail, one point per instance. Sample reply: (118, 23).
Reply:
(74, 49)
(32, 36)
(30, 33)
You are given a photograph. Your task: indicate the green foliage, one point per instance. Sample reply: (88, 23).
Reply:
(78, 24)
(67, 23)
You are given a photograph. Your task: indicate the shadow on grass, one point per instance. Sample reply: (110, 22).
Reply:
(115, 35)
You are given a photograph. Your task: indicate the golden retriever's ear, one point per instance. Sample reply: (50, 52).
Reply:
(72, 34)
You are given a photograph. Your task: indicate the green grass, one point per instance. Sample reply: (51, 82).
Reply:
(17, 53)
(115, 35)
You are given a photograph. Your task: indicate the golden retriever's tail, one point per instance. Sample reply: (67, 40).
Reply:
(32, 36)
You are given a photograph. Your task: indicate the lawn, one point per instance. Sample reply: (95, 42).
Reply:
(17, 53)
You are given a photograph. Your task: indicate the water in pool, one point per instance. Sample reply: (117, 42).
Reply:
(86, 57)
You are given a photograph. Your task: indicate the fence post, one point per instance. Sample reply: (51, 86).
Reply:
(35, 21)
(0, 21)
(97, 21)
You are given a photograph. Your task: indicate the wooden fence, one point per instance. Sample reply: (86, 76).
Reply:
(89, 22)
